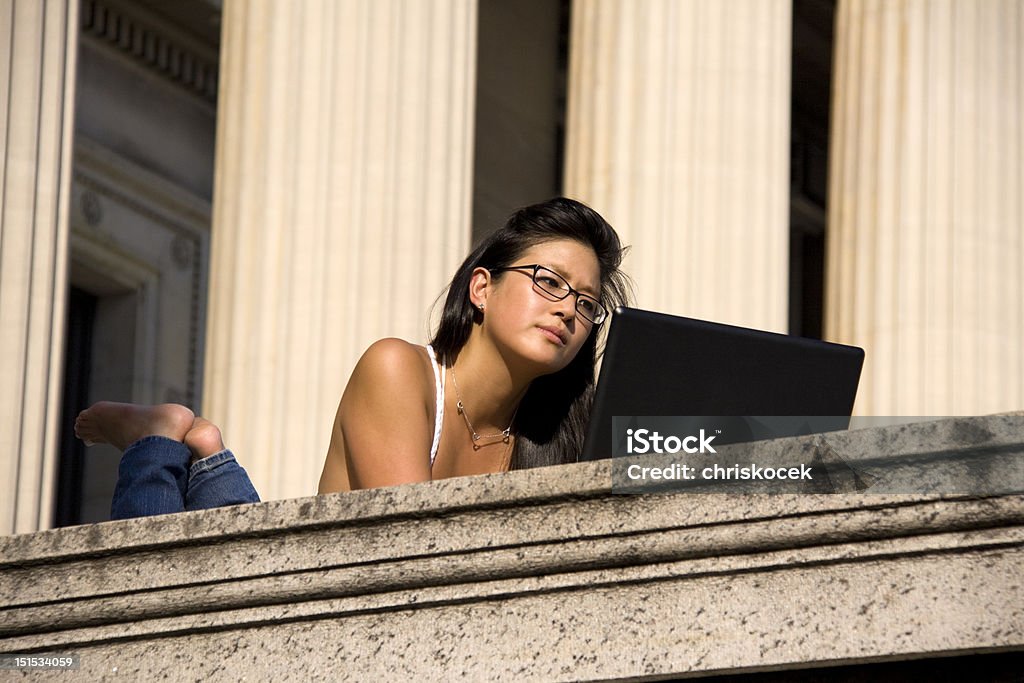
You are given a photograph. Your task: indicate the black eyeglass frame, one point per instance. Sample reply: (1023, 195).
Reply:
(537, 267)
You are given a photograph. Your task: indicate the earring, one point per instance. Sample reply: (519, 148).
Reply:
(481, 308)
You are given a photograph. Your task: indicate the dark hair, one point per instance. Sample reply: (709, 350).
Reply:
(550, 423)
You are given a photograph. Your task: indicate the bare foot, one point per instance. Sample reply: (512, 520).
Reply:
(203, 439)
(121, 424)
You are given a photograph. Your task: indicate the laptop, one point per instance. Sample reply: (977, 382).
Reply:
(739, 383)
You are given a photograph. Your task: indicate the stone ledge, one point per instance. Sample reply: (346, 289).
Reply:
(539, 574)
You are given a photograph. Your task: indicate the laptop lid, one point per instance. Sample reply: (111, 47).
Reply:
(658, 364)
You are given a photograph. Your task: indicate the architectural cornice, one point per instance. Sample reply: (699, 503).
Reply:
(538, 574)
(154, 43)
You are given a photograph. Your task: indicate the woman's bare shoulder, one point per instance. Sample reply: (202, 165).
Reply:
(384, 420)
(391, 357)
(392, 364)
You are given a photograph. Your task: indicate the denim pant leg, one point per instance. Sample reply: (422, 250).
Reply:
(216, 481)
(151, 478)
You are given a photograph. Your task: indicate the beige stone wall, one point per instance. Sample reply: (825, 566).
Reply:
(342, 205)
(37, 49)
(926, 251)
(343, 198)
(678, 132)
(547, 575)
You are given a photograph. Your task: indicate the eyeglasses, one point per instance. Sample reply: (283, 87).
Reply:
(550, 284)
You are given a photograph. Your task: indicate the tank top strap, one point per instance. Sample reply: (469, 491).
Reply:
(438, 401)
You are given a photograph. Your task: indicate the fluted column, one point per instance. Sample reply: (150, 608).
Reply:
(37, 57)
(342, 206)
(678, 132)
(926, 250)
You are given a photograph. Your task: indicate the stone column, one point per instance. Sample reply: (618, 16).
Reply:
(37, 59)
(678, 132)
(926, 253)
(341, 208)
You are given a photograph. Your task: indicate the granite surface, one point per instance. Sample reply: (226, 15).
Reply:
(538, 575)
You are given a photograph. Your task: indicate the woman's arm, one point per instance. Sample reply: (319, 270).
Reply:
(383, 428)
(334, 478)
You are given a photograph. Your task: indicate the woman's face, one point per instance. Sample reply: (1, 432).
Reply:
(521, 318)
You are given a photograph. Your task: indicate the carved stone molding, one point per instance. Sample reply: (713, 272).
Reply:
(543, 574)
(155, 46)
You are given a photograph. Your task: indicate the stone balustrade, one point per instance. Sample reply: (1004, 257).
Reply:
(543, 575)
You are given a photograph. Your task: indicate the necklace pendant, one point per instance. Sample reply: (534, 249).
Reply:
(505, 435)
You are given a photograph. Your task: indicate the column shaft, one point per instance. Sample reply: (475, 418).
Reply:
(678, 131)
(37, 56)
(926, 255)
(342, 206)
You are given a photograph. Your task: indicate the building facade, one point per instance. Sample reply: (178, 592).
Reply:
(223, 205)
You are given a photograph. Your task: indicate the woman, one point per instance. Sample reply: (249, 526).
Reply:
(506, 382)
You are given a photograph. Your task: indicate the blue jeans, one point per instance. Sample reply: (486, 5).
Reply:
(154, 478)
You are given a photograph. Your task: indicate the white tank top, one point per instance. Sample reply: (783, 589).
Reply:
(438, 401)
